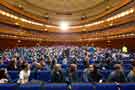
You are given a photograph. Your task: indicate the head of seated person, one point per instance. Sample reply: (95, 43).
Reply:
(41, 62)
(1, 62)
(12, 64)
(20, 62)
(26, 67)
(72, 68)
(39, 65)
(118, 67)
(5, 58)
(92, 68)
(57, 67)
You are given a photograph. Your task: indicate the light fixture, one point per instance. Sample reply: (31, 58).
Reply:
(64, 25)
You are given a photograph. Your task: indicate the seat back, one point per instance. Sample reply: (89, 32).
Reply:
(33, 75)
(30, 87)
(82, 86)
(55, 87)
(8, 86)
(106, 87)
(127, 86)
(44, 76)
(14, 75)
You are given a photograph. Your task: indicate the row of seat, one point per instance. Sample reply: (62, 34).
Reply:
(46, 75)
(82, 67)
(63, 86)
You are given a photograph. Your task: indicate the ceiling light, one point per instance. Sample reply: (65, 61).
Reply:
(64, 25)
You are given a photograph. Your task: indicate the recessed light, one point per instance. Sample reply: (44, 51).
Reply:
(64, 25)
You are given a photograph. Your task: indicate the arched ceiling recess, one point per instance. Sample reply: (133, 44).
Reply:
(77, 12)
(123, 17)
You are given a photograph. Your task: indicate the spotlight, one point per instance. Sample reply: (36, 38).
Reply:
(64, 25)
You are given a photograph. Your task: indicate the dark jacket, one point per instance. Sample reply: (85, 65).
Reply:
(57, 77)
(117, 76)
(94, 76)
(72, 76)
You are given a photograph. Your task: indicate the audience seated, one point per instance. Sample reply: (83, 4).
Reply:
(40, 65)
(72, 73)
(117, 75)
(12, 65)
(24, 74)
(3, 76)
(91, 74)
(57, 74)
(131, 75)
(75, 64)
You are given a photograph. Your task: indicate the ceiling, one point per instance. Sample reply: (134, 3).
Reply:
(64, 6)
(77, 12)
(90, 20)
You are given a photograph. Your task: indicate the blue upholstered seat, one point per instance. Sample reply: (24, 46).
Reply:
(106, 87)
(55, 87)
(82, 86)
(33, 75)
(80, 67)
(44, 76)
(14, 75)
(127, 86)
(63, 86)
(30, 87)
(80, 74)
(64, 67)
(127, 66)
(105, 74)
(8, 86)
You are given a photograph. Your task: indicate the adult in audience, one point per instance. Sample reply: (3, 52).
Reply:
(20, 63)
(131, 74)
(72, 74)
(91, 74)
(12, 64)
(24, 74)
(117, 75)
(5, 58)
(39, 65)
(57, 74)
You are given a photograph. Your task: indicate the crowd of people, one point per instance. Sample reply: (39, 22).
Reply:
(93, 59)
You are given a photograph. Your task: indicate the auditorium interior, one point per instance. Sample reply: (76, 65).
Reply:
(67, 44)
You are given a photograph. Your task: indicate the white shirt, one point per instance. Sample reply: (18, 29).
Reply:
(24, 76)
(2, 81)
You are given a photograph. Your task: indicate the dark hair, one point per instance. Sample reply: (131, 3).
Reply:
(24, 66)
(95, 68)
(117, 66)
(2, 74)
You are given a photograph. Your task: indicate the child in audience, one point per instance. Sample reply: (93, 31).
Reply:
(3, 76)
(24, 74)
